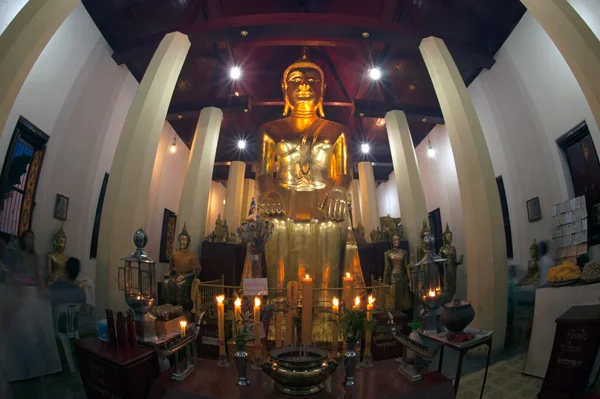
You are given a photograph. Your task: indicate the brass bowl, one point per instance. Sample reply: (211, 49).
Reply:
(299, 370)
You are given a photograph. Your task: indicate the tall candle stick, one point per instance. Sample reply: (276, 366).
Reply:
(182, 326)
(237, 316)
(277, 328)
(347, 290)
(369, 332)
(356, 303)
(221, 324)
(307, 304)
(289, 325)
(335, 309)
(257, 328)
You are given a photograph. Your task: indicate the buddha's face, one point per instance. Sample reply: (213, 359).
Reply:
(184, 242)
(533, 252)
(396, 241)
(304, 87)
(448, 238)
(60, 244)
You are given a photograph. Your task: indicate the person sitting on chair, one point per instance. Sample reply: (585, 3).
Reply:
(65, 289)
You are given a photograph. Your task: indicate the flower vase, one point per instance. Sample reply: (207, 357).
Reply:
(253, 265)
(350, 360)
(241, 362)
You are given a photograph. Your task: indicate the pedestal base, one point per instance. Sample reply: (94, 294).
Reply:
(432, 322)
(180, 376)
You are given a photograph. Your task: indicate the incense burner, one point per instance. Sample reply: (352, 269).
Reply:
(299, 370)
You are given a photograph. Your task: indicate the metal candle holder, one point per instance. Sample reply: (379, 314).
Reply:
(138, 280)
(428, 282)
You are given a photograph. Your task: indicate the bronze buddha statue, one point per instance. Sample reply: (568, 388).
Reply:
(420, 249)
(448, 251)
(307, 200)
(57, 260)
(532, 278)
(183, 267)
(395, 272)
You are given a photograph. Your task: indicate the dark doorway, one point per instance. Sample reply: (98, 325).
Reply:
(435, 225)
(505, 217)
(19, 178)
(584, 166)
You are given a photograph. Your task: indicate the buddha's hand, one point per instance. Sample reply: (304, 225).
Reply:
(334, 206)
(271, 204)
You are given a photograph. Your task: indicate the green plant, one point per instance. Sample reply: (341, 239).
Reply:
(352, 323)
(244, 333)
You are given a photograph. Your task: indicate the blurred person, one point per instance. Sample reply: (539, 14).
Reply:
(66, 289)
(27, 345)
(545, 262)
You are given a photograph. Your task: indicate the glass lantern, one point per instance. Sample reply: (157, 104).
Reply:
(138, 280)
(428, 283)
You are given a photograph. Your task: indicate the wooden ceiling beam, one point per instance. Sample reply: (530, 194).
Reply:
(191, 109)
(308, 26)
(378, 109)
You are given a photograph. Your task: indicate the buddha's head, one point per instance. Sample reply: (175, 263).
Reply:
(303, 86)
(396, 241)
(184, 238)
(60, 240)
(447, 236)
(533, 250)
(400, 229)
(424, 230)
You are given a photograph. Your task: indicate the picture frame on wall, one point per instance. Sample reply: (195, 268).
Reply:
(534, 211)
(596, 213)
(167, 236)
(61, 207)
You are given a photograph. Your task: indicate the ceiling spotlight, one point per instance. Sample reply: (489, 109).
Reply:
(242, 144)
(374, 73)
(430, 150)
(235, 72)
(173, 148)
(365, 148)
(380, 122)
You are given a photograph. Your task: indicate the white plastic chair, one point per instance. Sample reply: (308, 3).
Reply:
(70, 312)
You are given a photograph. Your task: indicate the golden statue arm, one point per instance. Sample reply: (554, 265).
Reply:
(387, 270)
(269, 200)
(340, 165)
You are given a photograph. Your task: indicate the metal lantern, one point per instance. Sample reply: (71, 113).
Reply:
(138, 280)
(428, 282)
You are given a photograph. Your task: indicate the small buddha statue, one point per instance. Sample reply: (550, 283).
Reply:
(360, 229)
(183, 267)
(532, 278)
(225, 236)
(57, 260)
(448, 251)
(218, 231)
(395, 272)
(421, 248)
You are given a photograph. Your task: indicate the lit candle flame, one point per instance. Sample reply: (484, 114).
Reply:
(336, 302)
(431, 293)
(238, 303)
(371, 299)
(357, 301)
(220, 298)
(307, 277)
(257, 302)
(183, 323)
(347, 275)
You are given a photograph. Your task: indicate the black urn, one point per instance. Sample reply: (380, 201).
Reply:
(457, 315)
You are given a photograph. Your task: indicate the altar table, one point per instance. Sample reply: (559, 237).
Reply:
(382, 380)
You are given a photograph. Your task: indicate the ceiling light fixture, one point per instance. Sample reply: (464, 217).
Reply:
(173, 148)
(365, 148)
(374, 73)
(241, 144)
(235, 72)
(430, 151)
(380, 122)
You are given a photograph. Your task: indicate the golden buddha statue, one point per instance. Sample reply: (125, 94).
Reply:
(218, 231)
(307, 201)
(183, 267)
(395, 272)
(420, 248)
(448, 251)
(57, 260)
(532, 278)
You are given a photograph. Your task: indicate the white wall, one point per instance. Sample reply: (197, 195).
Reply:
(77, 95)
(218, 193)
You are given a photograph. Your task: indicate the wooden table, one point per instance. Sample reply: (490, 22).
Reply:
(481, 338)
(380, 381)
(107, 372)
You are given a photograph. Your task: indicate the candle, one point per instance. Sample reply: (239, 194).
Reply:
(335, 309)
(257, 327)
(289, 325)
(237, 316)
(356, 303)
(221, 324)
(369, 332)
(182, 325)
(307, 305)
(347, 290)
(432, 293)
(277, 328)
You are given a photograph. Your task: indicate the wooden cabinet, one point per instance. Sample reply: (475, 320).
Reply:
(573, 354)
(107, 372)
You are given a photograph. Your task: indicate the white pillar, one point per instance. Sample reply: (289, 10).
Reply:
(126, 203)
(355, 193)
(22, 42)
(576, 42)
(235, 192)
(196, 188)
(485, 256)
(247, 198)
(368, 198)
(411, 198)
